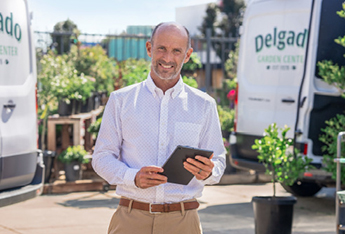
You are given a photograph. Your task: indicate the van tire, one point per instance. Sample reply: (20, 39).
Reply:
(302, 188)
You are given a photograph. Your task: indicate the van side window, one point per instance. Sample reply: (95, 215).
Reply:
(332, 26)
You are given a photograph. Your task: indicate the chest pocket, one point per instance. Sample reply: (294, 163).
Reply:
(187, 134)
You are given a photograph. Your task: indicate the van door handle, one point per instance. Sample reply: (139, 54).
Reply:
(10, 106)
(288, 100)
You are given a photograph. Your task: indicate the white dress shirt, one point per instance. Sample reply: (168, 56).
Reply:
(141, 126)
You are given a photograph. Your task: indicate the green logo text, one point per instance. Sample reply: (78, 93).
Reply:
(280, 39)
(7, 25)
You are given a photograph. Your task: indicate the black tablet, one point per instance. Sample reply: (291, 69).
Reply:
(173, 167)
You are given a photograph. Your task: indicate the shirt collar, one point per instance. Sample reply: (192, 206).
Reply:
(173, 92)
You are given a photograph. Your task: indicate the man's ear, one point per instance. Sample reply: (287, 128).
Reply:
(148, 48)
(189, 53)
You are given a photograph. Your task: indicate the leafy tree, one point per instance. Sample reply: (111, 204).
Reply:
(333, 74)
(283, 166)
(232, 16)
(209, 21)
(223, 19)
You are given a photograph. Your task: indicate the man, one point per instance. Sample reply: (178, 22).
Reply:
(142, 124)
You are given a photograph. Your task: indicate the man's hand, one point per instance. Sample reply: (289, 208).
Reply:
(147, 177)
(201, 166)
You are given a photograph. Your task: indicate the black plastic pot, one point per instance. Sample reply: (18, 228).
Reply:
(65, 109)
(48, 160)
(97, 101)
(88, 105)
(273, 215)
(73, 171)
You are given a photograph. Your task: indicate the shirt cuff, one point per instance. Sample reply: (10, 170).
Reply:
(130, 176)
(214, 178)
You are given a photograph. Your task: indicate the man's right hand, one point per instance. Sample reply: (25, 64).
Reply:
(148, 177)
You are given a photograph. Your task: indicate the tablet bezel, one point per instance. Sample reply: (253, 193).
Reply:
(173, 167)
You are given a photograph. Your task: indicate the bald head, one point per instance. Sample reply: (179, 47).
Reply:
(172, 26)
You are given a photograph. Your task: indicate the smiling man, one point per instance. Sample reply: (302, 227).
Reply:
(142, 125)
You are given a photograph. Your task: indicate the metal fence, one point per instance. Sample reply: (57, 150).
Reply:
(213, 51)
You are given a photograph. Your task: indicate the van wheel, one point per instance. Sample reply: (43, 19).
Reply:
(303, 189)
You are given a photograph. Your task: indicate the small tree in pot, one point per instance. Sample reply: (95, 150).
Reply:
(274, 214)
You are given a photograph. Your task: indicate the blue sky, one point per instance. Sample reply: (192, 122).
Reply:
(105, 16)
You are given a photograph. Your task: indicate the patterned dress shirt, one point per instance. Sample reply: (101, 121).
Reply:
(141, 126)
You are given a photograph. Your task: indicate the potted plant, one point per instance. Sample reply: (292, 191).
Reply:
(72, 158)
(273, 214)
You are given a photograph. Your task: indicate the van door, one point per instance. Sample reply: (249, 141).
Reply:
(273, 46)
(18, 134)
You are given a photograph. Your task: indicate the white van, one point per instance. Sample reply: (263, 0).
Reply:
(20, 163)
(281, 43)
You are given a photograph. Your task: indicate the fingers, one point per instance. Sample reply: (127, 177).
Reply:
(201, 167)
(148, 177)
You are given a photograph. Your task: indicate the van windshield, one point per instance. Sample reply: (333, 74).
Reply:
(332, 26)
(14, 43)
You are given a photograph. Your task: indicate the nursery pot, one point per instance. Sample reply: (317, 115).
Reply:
(97, 100)
(73, 171)
(273, 215)
(87, 106)
(48, 160)
(65, 109)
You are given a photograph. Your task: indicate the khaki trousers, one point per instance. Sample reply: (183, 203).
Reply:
(131, 221)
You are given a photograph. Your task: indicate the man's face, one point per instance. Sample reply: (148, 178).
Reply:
(168, 53)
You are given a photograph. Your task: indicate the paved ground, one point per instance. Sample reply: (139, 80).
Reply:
(224, 209)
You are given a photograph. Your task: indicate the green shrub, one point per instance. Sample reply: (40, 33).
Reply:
(329, 138)
(226, 118)
(73, 153)
(190, 81)
(334, 75)
(134, 71)
(193, 64)
(94, 62)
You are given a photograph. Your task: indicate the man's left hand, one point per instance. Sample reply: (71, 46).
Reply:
(201, 167)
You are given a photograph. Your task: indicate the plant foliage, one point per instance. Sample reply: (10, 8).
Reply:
(333, 75)
(94, 62)
(329, 138)
(193, 64)
(280, 163)
(190, 81)
(134, 71)
(73, 153)
(226, 118)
